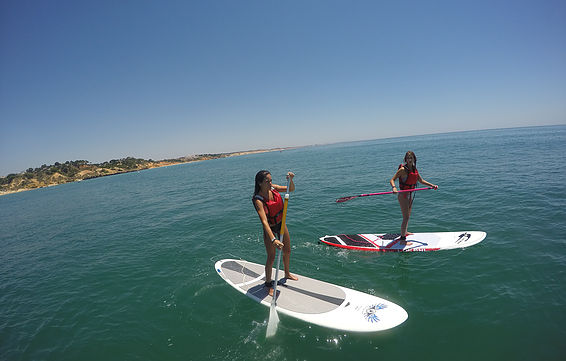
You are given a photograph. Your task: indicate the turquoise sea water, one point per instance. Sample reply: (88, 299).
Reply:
(121, 267)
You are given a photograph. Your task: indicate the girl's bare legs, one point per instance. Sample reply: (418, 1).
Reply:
(406, 206)
(287, 255)
(270, 249)
(271, 252)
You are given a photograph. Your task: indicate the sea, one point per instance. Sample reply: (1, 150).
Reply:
(122, 267)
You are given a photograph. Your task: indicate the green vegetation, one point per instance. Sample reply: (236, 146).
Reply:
(126, 163)
(72, 171)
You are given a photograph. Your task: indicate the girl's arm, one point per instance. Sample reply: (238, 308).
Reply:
(421, 180)
(398, 174)
(280, 189)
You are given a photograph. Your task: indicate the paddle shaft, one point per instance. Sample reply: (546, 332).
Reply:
(344, 199)
(281, 235)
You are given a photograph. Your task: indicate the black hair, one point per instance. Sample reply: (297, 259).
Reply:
(259, 178)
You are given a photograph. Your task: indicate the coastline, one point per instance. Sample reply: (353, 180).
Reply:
(149, 165)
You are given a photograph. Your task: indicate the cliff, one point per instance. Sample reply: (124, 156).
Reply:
(73, 171)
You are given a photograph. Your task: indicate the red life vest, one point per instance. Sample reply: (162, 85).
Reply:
(273, 209)
(412, 178)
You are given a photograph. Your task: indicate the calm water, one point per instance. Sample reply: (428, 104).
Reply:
(121, 268)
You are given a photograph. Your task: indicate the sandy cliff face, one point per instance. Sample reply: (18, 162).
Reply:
(27, 181)
(47, 176)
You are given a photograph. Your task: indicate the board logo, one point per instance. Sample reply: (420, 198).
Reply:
(413, 246)
(463, 238)
(370, 313)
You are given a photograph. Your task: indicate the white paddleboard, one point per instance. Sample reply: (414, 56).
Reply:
(314, 301)
(418, 242)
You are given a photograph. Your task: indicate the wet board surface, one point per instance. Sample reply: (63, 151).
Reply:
(317, 302)
(418, 242)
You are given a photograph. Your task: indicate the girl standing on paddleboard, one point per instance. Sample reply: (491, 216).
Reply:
(408, 176)
(269, 206)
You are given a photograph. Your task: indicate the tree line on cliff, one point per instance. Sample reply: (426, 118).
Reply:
(69, 172)
(76, 170)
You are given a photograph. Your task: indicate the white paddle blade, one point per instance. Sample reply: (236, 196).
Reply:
(272, 323)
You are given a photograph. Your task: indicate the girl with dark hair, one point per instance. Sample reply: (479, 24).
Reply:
(269, 206)
(408, 176)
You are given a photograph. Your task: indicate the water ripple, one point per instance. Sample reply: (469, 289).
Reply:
(122, 267)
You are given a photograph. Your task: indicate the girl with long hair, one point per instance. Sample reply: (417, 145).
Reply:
(269, 207)
(408, 176)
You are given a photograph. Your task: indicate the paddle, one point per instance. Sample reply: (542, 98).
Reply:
(344, 199)
(273, 317)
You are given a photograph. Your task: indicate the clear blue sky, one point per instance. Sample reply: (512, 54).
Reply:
(100, 80)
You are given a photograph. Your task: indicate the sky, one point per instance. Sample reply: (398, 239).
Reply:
(101, 80)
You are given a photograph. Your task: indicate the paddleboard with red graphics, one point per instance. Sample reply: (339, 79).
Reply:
(417, 242)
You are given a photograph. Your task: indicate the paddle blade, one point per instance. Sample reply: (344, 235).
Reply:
(273, 322)
(344, 199)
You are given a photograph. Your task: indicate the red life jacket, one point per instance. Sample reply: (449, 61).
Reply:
(412, 178)
(273, 209)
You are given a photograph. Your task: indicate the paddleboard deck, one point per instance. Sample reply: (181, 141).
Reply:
(314, 301)
(418, 242)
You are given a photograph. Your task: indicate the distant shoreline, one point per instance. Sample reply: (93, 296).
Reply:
(50, 176)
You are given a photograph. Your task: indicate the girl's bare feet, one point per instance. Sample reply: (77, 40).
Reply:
(270, 286)
(291, 277)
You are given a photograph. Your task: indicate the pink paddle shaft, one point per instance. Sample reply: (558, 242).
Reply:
(343, 199)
